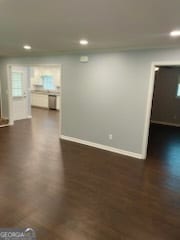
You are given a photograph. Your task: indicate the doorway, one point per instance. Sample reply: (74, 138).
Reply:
(45, 87)
(34, 87)
(163, 116)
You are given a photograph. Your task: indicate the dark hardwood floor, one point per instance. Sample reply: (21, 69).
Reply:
(67, 191)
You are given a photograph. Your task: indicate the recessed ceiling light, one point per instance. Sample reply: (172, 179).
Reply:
(175, 33)
(156, 69)
(84, 42)
(27, 47)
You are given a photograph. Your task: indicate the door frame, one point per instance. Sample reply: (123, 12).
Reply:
(9, 85)
(0, 99)
(149, 102)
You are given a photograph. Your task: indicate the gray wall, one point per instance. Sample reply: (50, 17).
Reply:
(106, 95)
(166, 106)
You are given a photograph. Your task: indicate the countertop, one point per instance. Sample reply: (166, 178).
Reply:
(45, 92)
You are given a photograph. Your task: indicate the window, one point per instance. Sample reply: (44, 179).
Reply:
(48, 83)
(178, 88)
(17, 84)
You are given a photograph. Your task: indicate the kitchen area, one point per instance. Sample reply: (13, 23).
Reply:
(45, 87)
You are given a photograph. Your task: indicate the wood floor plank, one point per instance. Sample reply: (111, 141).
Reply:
(69, 191)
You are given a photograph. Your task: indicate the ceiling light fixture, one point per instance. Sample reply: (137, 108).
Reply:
(156, 69)
(175, 33)
(27, 47)
(84, 42)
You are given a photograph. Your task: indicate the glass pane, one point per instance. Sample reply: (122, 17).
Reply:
(48, 82)
(17, 86)
(17, 93)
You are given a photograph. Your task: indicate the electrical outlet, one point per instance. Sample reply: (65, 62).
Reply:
(110, 136)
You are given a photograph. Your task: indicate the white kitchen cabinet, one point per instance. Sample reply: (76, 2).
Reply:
(39, 100)
(33, 99)
(36, 82)
(58, 102)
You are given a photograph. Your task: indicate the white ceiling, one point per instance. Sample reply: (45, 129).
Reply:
(53, 26)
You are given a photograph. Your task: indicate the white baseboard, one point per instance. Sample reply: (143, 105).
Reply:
(5, 125)
(103, 147)
(29, 117)
(166, 123)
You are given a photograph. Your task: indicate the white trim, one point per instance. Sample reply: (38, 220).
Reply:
(149, 103)
(60, 99)
(166, 123)
(9, 93)
(148, 111)
(29, 117)
(0, 100)
(5, 125)
(103, 147)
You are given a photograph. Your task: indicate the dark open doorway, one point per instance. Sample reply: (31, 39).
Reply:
(164, 134)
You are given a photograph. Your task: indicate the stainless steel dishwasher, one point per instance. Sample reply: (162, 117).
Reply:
(52, 101)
